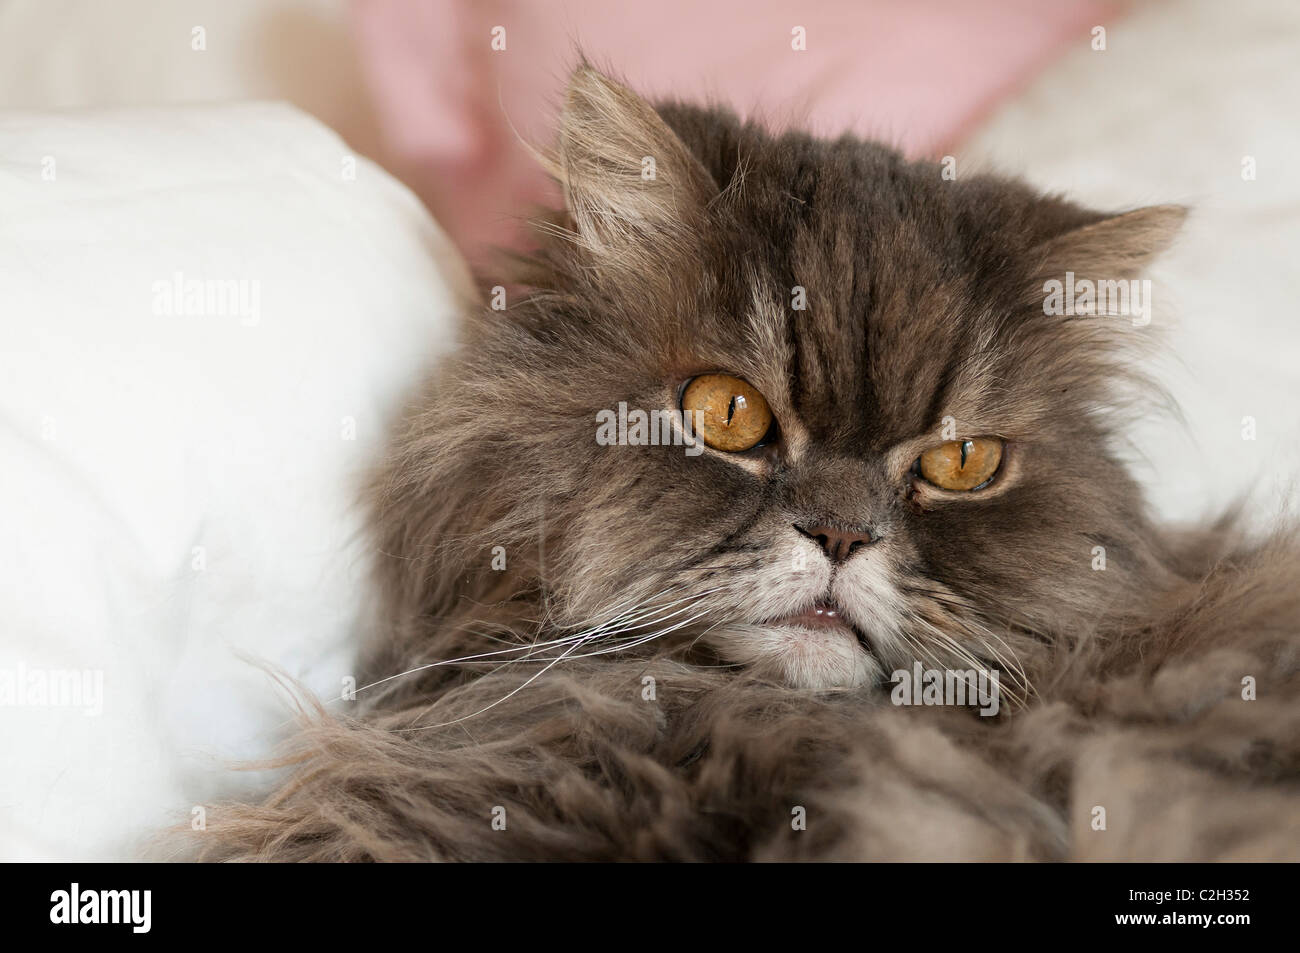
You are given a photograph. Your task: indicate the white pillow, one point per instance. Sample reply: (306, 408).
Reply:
(178, 471)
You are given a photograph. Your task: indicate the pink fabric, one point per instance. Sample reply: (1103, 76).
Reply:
(916, 73)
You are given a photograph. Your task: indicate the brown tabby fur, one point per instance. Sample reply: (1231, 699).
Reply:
(924, 301)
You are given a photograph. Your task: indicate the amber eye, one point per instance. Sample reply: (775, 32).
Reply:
(961, 464)
(729, 414)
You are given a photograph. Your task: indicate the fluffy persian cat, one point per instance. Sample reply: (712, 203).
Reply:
(767, 420)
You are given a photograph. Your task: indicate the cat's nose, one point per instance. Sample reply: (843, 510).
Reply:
(838, 544)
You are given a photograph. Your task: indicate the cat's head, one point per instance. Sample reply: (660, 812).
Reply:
(901, 456)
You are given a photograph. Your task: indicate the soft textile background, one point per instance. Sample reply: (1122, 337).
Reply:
(450, 107)
(416, 85)
(178, 484)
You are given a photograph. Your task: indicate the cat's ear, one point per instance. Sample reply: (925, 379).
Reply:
(628, 180)
(1116, 247)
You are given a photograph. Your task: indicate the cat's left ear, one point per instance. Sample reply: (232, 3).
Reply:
(629, 181)
(1115, 247)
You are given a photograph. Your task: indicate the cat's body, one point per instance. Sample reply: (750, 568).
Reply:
(637, 675)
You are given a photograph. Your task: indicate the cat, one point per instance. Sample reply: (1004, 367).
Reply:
(879, 456)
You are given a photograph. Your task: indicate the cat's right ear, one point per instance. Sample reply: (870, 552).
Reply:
(630, 184)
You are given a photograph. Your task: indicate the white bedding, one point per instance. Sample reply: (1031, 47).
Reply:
(178, 472)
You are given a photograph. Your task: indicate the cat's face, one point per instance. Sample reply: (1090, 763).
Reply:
(903, 458)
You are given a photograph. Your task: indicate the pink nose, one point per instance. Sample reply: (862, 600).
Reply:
(838, 544)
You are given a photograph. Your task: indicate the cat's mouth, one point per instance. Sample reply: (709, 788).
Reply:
(824, 615)
(813, 645)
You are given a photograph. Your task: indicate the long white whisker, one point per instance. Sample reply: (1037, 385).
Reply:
(514, 691)
(619, 621)
(630, 643)
(618, 645)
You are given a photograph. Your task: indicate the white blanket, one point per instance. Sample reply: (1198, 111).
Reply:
(209, 316)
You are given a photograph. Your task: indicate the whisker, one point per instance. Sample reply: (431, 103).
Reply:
(516, 690)
(640, 618)
(619, 645)
(630, 643)
(981, 634)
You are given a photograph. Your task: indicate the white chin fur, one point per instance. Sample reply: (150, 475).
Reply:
(817, 659)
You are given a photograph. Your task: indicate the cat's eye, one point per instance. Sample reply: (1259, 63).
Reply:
(727, 413)
(961, 464)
